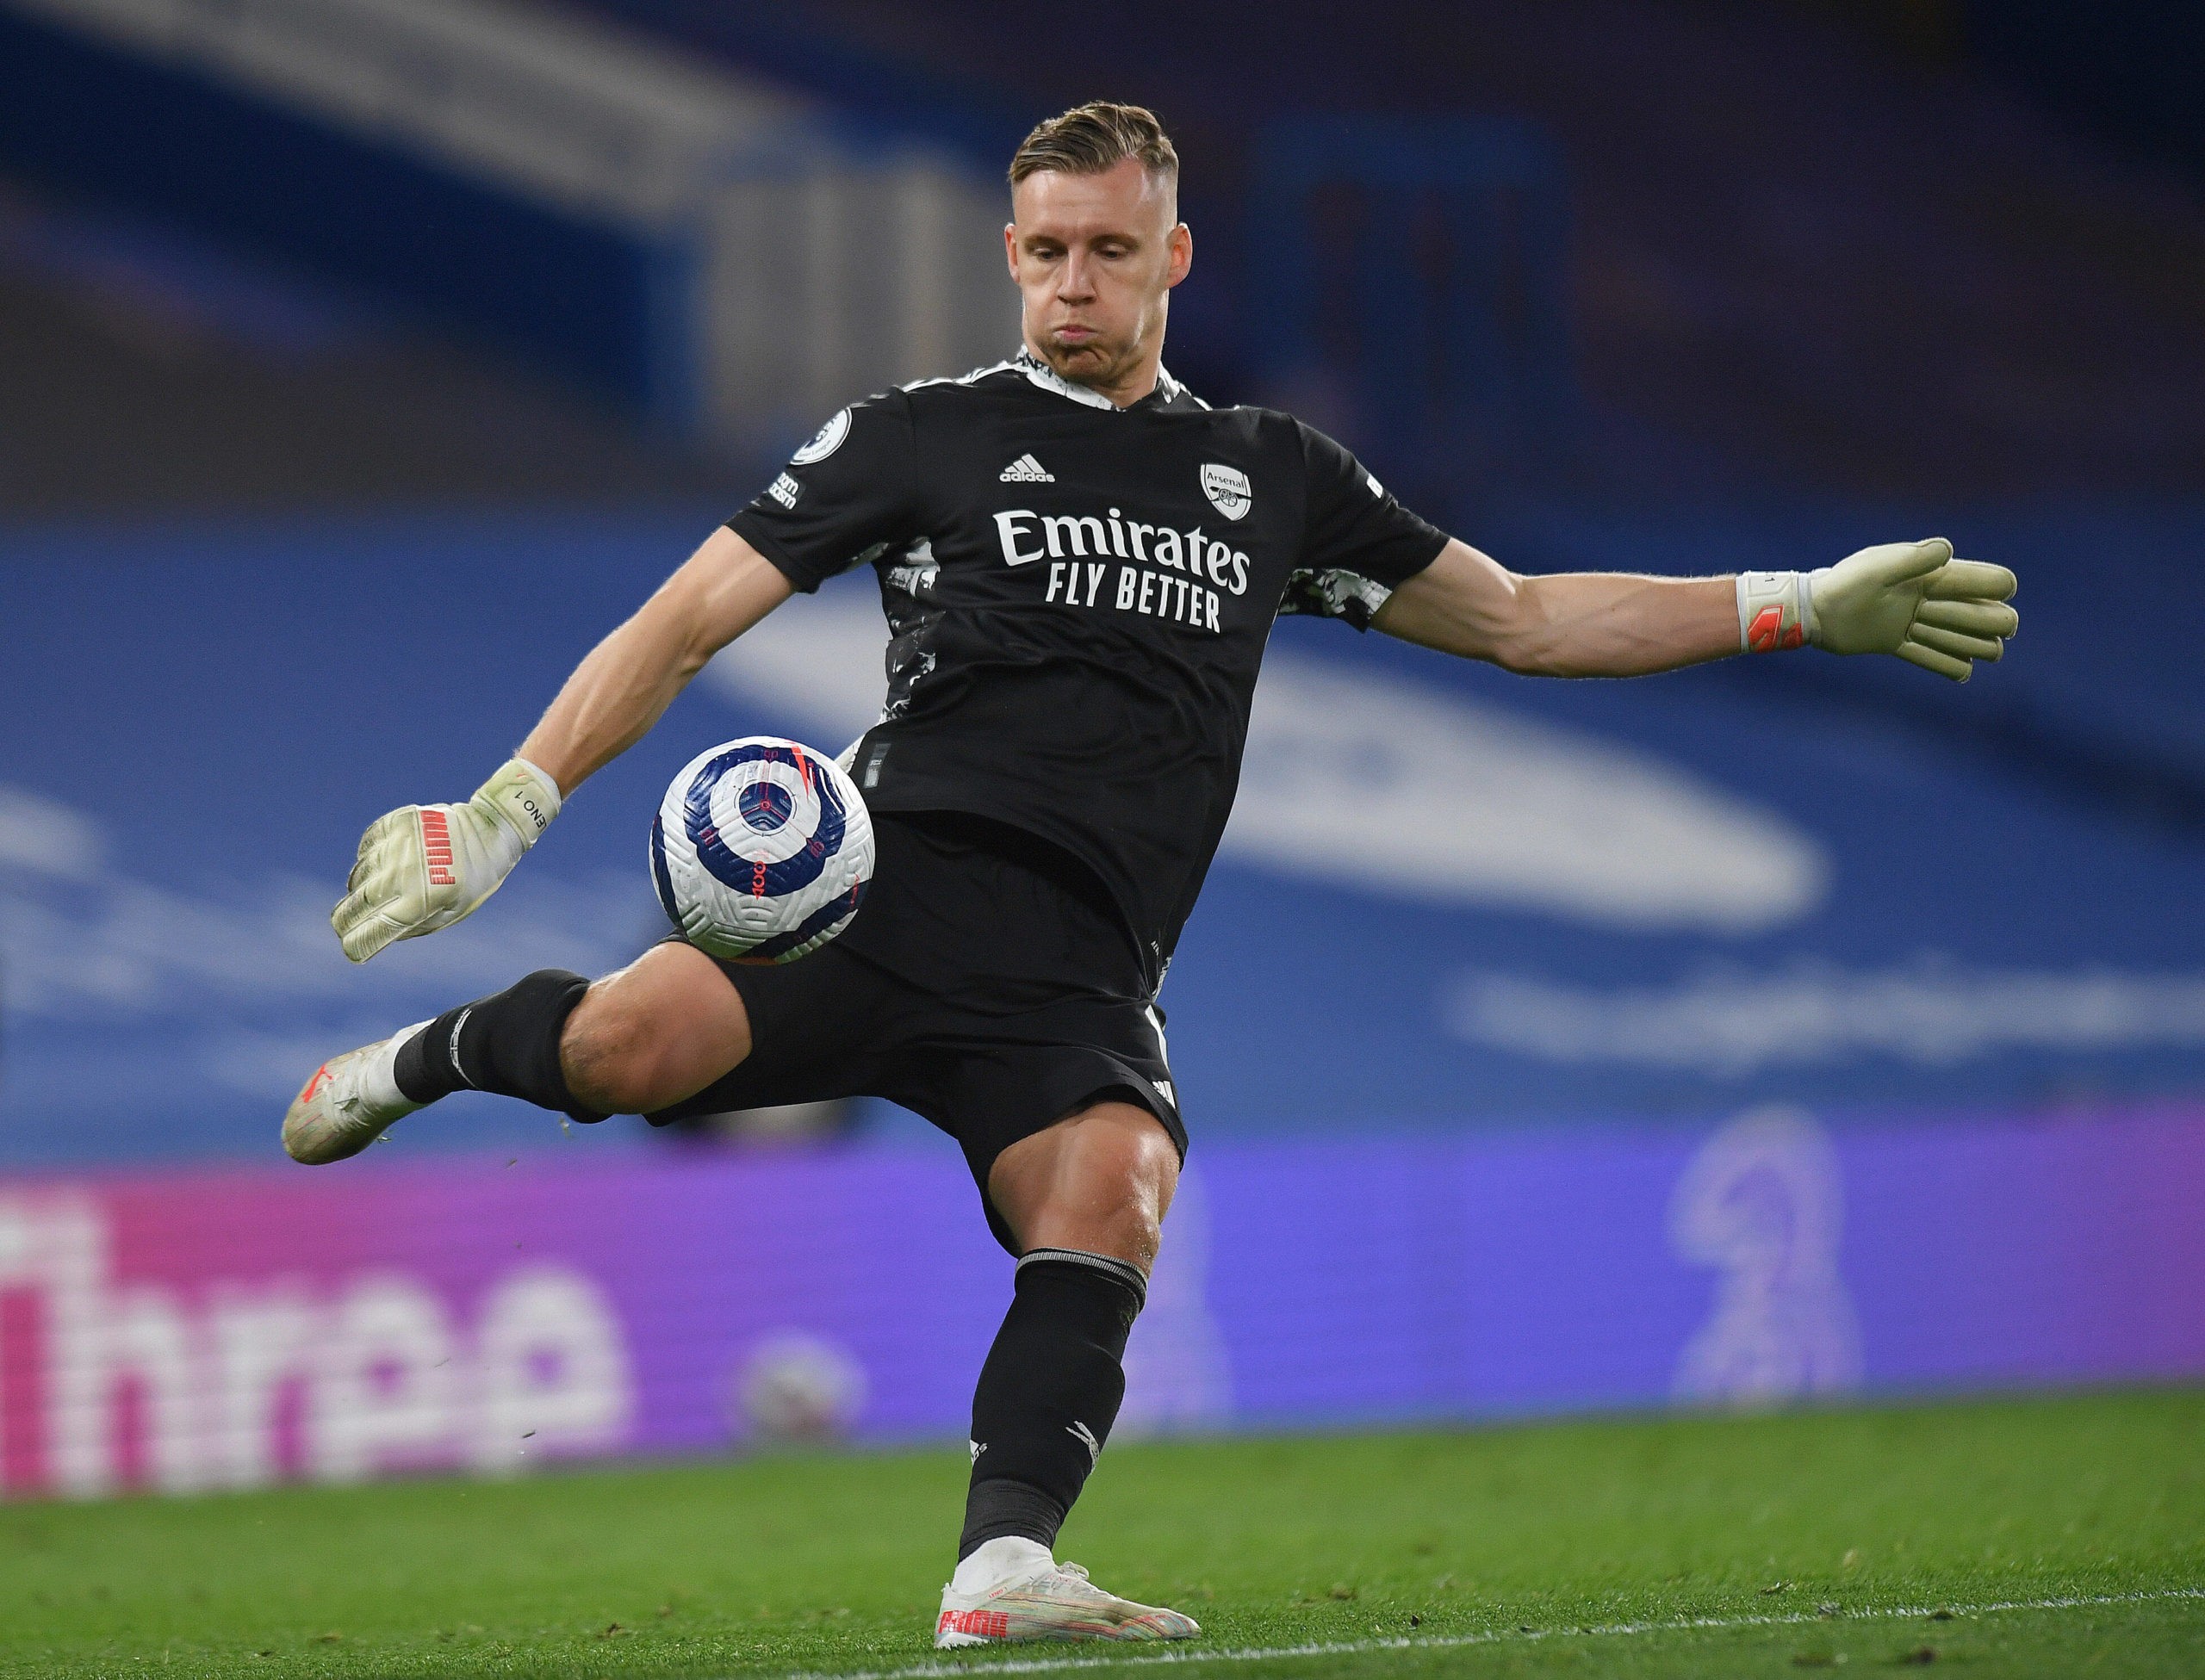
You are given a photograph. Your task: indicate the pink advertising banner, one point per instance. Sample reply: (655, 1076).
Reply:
(234, 1329)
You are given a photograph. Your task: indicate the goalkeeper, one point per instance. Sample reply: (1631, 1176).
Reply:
(1080, 563)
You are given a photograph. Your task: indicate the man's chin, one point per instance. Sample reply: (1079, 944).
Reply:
(1080, 363)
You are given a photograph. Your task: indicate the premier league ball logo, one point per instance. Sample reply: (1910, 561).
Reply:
(761, 851)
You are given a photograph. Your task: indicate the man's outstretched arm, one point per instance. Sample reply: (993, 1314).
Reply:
(424, 867)
(627, 681)
(1911, 599)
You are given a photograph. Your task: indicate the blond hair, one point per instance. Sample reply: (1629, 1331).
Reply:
(1092, 137)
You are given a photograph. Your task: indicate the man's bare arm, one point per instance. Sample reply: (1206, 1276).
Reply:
(1570, 624)
(630, 678)
(423, 867)
(1910, 599)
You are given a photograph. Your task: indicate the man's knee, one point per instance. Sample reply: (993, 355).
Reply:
(607, 1054)
(1133, 1175)
(656, 1031)
(1101, 1181)
(1133, 1225)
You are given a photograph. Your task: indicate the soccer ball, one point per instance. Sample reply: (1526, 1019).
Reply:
(762, 850)
(796, 1388)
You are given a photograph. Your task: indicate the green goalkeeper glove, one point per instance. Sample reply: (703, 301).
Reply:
(1909, 598)
(423, 867)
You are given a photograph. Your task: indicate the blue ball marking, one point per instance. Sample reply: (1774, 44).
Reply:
(659, 877)
(777, 880)
(812, 927)
(765, 805)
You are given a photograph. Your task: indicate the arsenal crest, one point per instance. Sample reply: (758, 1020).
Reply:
(1227, 489)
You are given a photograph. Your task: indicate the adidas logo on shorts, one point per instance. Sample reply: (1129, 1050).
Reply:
(1026, 470)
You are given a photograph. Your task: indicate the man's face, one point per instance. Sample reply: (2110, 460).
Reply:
(1095, 256)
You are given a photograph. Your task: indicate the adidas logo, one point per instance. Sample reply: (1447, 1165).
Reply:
(1026, 470)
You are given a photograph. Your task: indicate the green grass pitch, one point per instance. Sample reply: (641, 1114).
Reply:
(2059, 1536)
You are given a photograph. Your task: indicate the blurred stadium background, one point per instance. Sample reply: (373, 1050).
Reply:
(361, 361)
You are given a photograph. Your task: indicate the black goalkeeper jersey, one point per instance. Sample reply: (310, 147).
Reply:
(1077, 599)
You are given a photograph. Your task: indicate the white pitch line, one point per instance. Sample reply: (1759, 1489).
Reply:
(934, 1671)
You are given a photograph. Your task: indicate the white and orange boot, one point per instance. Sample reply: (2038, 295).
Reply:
(1016, 1590)
(348, 1103)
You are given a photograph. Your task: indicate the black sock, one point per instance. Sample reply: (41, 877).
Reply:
(1048, 1393)
(507, 1042)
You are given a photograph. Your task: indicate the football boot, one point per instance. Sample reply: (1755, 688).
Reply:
(1059, 1603)
(348, 1104)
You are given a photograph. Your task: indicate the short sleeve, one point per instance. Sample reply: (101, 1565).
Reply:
(1359, 544)
(842, 495)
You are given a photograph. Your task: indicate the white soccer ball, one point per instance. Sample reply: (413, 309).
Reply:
(762, 850)
(795, 1388)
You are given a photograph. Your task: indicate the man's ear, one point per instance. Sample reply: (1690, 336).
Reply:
(1010, 247)
(1181, 238)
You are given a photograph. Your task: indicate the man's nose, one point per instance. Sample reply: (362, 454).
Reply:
(1075, 283)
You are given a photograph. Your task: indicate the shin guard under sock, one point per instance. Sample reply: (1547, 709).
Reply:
(507, 1043)
(1048, 1393)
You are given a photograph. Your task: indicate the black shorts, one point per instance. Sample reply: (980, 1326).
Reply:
(987, 984)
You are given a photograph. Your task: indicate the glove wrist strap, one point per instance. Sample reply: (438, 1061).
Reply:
(1776, 611)
(523, 798)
